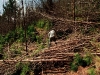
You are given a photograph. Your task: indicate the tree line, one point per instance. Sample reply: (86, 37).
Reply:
(23, 13)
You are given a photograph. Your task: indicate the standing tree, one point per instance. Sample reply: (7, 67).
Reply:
(47, 5)
(10, 11)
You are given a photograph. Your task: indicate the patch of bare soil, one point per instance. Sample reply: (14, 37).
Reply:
(7, 67)
(81, 71)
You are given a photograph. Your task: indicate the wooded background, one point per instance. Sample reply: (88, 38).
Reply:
(26, 12)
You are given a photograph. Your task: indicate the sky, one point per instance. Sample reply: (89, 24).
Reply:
(1, 8)
(1, 4)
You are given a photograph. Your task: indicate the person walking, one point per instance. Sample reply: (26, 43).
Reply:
(52, 37)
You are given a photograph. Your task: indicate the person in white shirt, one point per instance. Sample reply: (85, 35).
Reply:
(52, 36)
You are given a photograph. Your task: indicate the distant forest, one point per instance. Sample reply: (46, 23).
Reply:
(23, 13)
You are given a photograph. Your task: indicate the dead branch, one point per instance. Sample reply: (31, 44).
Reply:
(72, 54)
(27, 60)
(63, 19)
(44, 60)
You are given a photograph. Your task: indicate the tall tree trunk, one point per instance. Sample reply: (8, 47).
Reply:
(50, 6)
(24, 25)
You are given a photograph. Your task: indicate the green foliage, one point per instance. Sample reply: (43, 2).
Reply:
(79, 61)
(31, 28)
(25, 69)
(48, 25)
(2, 40)
(32, 37)
(74, 67)
(9, 8)
(31, 33)
(22, 68)
(92, 71)
(15, 51)
(39, 39)
(20, 34)
(45, 24)
(10, 37)
(1, 48)
(40, 47)
(41, 23)
(76, 62)
(88, 60)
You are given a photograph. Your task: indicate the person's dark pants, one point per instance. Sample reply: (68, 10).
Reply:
(53, 39)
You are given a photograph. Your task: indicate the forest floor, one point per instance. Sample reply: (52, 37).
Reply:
(64, 50)
(55, 60)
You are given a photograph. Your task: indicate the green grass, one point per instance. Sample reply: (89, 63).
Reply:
(92, 71)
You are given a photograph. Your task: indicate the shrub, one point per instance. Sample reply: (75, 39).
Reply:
(74, 67)
(41, 23)
(39, 39)
(10, 37)
(7, 37)
(46, 24)
(76, 62)
(31, 35)
(15, 52)
(22, 69)
(88, 60)
(25, 69)
(2, 40)
(80, 61)
(92, 71)
(20, 34)
(1, 48)
(31, 29)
